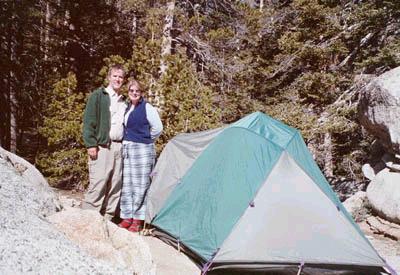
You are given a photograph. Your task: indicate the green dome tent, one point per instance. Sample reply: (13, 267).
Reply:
(250, 196)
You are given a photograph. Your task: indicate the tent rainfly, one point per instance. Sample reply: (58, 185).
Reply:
(249, 196)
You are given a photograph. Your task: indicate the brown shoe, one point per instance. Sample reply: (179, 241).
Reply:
(126, 223)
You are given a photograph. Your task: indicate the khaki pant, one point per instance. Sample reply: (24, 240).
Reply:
(105, 180)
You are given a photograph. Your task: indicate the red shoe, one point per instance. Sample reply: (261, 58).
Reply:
(136, 226)
(126, 223)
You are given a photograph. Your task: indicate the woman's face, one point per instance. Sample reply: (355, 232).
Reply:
(134, 94)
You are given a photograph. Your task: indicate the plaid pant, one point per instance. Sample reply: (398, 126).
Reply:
(138, 159)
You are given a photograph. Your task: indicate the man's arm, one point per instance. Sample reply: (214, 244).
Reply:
(90, 125)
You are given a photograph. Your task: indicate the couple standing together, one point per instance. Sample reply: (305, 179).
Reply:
(119, 138)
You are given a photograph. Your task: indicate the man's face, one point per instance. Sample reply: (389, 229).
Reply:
(115, 79)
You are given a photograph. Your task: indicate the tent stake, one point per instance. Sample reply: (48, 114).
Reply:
(390, 269)
(300, 268)
(208, 264)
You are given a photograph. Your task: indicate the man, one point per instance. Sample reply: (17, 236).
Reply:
(102, 135)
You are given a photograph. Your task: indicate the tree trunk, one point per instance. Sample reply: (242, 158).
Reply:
(5, 116)
(47, 31)
(328, 158)
(312, 146)
(13, 115)
(166, 50)
(12, 47)
(166, 45)
(134, 26)
(261, 5)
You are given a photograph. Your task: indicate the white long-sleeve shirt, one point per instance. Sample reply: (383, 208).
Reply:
(117, 110)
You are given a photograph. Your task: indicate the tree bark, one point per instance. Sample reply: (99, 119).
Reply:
(166, 50)
(5, 116)
(328, 158)
(134, 26)
(12, 47)
(13, 116)
(47, 31)
(166, 45)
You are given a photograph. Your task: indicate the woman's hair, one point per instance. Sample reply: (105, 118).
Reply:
(134, 82)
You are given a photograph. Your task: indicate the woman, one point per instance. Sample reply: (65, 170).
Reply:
(142, 125)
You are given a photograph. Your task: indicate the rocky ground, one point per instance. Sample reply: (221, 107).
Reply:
(176, 263)
(387, 247)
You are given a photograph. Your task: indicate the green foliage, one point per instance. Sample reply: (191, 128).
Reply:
(188, 105)
(63, 162)
(65, 168)
(373, 34)
(314, 19)
(145, 61)
(299, 118)
(184, 102)
(317, 88)
(387, 57)
(219, 37)
(294, 60)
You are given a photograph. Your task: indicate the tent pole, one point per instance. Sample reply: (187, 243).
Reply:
(390, 269)
(208, 264)
(300, 268)
(179, 246)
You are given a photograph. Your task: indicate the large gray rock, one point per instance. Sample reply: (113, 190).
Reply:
(391, 162)
(368, 171)
(47, 202)
(356, 205)
(384, 195)
(177, 263)
(105, 240)
(379, 109)
(29, 244)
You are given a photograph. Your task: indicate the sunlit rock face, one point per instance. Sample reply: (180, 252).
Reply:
(384, 195)
(29, 244)
(379, 109)
(104, 240)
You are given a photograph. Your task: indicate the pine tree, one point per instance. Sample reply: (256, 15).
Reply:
(63, 162)
(189, 105)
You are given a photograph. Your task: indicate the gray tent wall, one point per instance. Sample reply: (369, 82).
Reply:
(177, 157)
(302, 223)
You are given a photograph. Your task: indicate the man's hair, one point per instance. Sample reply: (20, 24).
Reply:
(115, 67)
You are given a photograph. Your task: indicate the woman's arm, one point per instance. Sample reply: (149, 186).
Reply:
(156, 126)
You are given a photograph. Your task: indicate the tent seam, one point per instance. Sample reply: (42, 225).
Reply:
(257, 134)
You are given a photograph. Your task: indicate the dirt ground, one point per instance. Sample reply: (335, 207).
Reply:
(387, 248)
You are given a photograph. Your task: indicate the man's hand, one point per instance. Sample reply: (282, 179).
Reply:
(92, 151)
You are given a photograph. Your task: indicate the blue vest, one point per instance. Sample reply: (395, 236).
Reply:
(137, 128)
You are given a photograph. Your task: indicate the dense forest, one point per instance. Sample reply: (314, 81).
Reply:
(204, 63)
